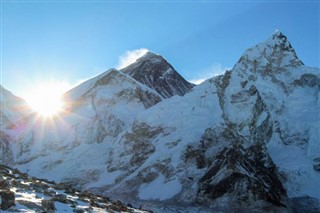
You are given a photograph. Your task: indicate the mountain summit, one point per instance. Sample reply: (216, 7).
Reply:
(274, 53)
(155, 72)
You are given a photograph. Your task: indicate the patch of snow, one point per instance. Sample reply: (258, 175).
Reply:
(262, 117)
(106, 178)
(159, 189)
(301, 178)
(61, 207)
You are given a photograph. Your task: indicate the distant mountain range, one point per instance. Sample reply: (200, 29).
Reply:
(247, 140)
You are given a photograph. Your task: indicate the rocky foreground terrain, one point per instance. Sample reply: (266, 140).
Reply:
(22, 193)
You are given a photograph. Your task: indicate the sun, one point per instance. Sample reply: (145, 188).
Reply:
(46, 99)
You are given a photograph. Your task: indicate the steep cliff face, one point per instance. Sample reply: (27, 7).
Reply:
(247, 139)
(289, 92)
(155, 72)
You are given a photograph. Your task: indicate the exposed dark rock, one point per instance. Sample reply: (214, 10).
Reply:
(61, 186)
(305, 204)
(6, 155)
(60, 198)
(316, 166)
(222, 82)
(48, 205)
(79, 210)
(155, 72)
(5, 184)
(30, 205)
(49, 192)
(316, 160)
(308, 80)
(244, 176)
(197, 154)
(244, 83)
(136, 145)
(118, 206)
(8, 199)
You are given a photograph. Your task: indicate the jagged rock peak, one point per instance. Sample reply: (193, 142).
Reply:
(279, 38)
(154, 71)
(276, 52)
(279, 41)
(152, 58)
(149, 55)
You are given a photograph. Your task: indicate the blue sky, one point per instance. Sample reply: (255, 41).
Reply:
(68, 41)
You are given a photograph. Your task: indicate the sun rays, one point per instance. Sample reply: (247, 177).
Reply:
(46, 99)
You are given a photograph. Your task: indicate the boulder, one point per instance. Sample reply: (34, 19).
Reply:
(48, 205)
(4, 185)
(8, 199)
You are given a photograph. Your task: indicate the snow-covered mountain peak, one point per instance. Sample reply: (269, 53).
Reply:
(274, 53)
(109, 78)
(150, 55)
(280, 42)
(155, 72)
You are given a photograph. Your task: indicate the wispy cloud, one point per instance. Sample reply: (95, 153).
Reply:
(209, 72)
(130, 57)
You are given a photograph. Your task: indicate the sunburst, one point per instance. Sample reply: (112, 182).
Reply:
(46, 99)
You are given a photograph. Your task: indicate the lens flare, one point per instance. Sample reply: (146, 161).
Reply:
(46, 99)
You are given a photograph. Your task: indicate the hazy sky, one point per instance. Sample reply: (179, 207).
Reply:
(68, 41)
